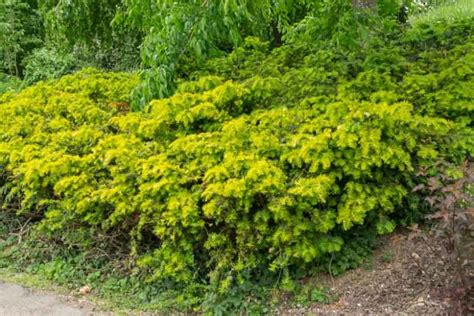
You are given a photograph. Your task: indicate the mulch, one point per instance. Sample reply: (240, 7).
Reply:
(412, 273)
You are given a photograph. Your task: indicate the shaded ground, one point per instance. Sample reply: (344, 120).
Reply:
(17, 300)
(412, 275)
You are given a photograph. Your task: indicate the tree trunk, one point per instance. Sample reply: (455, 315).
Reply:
(364, 4)
(277, 36)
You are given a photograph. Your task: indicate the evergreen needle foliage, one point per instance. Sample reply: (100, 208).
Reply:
(264, 164)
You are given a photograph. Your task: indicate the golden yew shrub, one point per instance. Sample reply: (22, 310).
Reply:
(221, 178)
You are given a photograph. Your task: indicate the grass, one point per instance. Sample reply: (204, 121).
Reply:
(444, 13)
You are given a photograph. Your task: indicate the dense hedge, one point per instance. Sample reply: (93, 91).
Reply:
(269, 171)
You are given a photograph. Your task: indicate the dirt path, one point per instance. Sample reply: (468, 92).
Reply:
(17, 300)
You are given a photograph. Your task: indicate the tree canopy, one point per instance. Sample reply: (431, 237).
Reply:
(165, 40)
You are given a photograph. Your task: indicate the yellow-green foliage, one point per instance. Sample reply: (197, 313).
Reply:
(228, 177)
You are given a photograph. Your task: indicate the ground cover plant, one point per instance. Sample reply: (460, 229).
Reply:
(264, 166)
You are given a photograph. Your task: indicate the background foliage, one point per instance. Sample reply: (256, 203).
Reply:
(166, 40)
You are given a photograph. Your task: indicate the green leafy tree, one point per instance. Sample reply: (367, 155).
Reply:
(180, 35)
(189, 31)
(84, 28)
(176, 37)
(20, 32)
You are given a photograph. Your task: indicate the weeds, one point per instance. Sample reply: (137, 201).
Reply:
(450, 194)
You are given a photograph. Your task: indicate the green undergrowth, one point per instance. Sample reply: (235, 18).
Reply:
(8, 83)
(48, 267)
(262, 169)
